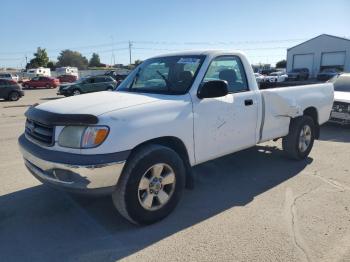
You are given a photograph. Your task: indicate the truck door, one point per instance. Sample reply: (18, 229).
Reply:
(226, 124)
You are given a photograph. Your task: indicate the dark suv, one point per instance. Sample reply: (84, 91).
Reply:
(118, 77)
(10, 90)
(299, 74)
(88, 85)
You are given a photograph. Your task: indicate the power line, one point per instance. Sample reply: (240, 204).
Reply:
(166, 43)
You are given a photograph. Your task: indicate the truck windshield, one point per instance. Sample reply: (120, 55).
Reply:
(165, 75)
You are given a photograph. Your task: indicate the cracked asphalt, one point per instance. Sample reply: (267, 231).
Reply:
(254, 205)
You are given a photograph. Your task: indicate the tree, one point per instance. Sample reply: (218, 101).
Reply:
(72, 58)
(95, 60)
(281, 64)
(137, 62)
(51, 65)
(40, 59)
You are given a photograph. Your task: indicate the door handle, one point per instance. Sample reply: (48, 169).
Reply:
(248, 102)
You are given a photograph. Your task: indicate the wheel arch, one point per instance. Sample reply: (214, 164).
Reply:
(312, 112)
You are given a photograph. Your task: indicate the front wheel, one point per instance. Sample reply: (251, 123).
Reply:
(300, 139)
(151, 185)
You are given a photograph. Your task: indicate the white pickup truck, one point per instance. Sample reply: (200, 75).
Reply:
(172, 112)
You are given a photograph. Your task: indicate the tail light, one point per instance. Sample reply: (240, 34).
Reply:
(12, 82)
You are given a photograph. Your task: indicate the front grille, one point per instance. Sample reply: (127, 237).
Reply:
(341, 107)
(40, 133)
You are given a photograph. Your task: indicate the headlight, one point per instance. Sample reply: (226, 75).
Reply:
(82, 136)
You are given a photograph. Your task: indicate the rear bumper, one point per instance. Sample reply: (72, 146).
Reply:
(99, 176)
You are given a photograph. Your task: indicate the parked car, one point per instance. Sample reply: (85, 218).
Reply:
(88, 85)
(327, 74)
(341, 107)
(276, 77)
(10, 90)
(138, 144)
(67, 78)
(9, 76)
(42, 81)
(267, 71)
(118, 77)
(298, 74)
(259, 77)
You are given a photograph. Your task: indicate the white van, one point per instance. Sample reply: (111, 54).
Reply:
(40, 71)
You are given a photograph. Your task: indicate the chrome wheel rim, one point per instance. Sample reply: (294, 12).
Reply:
(304, 138)
(156, 186)
(76, 92)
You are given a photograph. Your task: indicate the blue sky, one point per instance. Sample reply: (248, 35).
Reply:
(263, 29)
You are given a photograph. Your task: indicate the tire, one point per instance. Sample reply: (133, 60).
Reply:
(109, 89)
(295, 145)
(13, 96)
(48, 86)
(76, 92)
(26, 86)
(128, 197)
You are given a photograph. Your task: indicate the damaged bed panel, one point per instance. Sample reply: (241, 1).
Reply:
(282, 104)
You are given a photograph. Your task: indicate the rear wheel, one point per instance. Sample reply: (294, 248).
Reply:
(300, 139)
(48, 86)
(109, 89)
(26, 86)
(151, 185)
(13, 96)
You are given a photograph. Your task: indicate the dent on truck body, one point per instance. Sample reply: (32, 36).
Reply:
(278, 110)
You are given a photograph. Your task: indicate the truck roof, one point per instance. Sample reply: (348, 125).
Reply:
(203, 52)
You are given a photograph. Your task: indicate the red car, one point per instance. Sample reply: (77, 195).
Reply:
(42, 81)
(67, 78)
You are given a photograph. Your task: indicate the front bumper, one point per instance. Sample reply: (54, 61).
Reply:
(63, 92)
(340, 118)
(100, 176)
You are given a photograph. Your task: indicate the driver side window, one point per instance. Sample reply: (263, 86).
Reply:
(229, 69)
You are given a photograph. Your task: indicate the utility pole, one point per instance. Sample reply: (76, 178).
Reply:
(130, 46)
(113, 56)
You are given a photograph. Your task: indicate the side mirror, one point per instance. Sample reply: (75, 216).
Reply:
(211, 89)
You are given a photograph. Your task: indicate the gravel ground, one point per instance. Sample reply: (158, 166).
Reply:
(254, 205)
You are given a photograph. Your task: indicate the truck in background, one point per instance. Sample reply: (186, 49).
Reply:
(40, 71)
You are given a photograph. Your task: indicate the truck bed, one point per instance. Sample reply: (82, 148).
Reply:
(283, 103)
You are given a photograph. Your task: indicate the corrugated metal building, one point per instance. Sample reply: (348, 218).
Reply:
(316, 54)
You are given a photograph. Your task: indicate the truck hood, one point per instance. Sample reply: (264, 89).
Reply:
(342, 96)
(98, 103)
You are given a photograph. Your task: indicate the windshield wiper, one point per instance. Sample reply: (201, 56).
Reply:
(168, 84)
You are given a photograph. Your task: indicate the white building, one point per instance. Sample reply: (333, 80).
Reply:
(316, 54)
